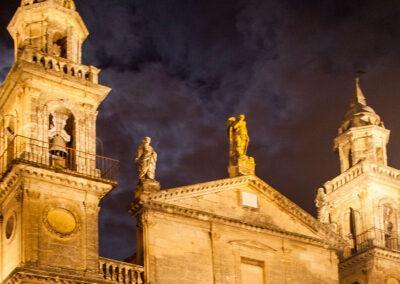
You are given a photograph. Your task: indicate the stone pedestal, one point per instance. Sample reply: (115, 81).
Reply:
(244, 166)
(147, 187)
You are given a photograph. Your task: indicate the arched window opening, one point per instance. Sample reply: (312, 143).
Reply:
(390, 226)
(379, 155)
(62, 139)
(10, 136)
(353, 229)
(350, 158)
(59, 46)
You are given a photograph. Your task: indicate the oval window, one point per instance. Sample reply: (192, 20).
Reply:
(61, 221)
(10, 224)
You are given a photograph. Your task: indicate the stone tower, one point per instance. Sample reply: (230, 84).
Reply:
(51, 180)
(362, 203)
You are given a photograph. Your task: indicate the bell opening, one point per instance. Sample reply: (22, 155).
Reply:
(58, 147)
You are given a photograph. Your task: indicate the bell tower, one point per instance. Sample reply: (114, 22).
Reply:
(50, 26)
(362, 135)
(51, 180)
(362, 203)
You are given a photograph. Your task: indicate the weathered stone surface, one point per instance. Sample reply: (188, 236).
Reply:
(204, 234)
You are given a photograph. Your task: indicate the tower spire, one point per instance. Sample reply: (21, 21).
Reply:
(362, 134)
(359, 97)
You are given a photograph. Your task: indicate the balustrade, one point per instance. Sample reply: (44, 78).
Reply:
(58, 64)
(121, 272)
(377, 238)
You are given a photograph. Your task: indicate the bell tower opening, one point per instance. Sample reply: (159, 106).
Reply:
(59, 46)
(62, 139)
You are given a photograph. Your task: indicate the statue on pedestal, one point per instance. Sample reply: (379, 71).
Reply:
(238, 136)
(146, 161)
(239, 162)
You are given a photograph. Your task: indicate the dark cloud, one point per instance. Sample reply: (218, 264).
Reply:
(179, 68)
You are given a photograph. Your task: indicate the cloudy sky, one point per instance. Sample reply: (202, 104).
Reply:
(179, 68)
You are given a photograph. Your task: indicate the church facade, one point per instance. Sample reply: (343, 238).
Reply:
(233, 230)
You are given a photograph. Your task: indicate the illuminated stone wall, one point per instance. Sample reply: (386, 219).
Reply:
(208, 232)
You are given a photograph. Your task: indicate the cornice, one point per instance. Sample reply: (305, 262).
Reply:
(26, 275)
(20, 171)
(200, 188)
(17, 76)
(367, 168)
(369, 255)
(261, 228)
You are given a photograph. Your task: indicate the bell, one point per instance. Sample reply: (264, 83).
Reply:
(58, 147)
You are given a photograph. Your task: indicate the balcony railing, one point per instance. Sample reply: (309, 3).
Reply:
(121, 272)
(61, 65)
(21, 149)
(378, 238)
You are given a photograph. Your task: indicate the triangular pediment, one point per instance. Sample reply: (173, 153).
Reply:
(246, 199)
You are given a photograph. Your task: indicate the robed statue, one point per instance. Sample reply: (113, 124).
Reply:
(146, 160)
(238, 137)
(322, 204)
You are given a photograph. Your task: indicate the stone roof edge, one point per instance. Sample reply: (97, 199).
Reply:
(194, 189)
(389, 173)
(367, 254)
(257, 183)
(206, 216)
(298, 212)
(32, 274)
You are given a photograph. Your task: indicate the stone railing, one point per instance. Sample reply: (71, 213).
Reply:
(384, 170)
(59, 64)
(358, 170)
(121, 272)
(378, 238)
(344, 178)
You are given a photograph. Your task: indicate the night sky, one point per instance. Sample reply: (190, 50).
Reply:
(179, 68)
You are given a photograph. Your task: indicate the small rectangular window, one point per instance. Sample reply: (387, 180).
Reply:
(252, 271)
(249, 199)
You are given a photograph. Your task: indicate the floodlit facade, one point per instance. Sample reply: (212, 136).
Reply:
(362, 203)
(233, 230)
(51, 180)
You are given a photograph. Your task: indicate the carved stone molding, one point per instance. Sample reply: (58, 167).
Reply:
(61, 221)
(256, 183)
(265, 228)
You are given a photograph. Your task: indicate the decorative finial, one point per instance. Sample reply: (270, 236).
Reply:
(239, 163)
(359, 97)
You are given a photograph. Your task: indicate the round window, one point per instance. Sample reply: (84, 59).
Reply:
(10, 227)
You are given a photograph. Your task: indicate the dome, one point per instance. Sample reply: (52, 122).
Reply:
(360, 114)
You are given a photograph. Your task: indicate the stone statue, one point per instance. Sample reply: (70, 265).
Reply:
(323, 206)
(238, 136)
(146, 159)
(239, 163)
(232, 146)
(387, 220)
